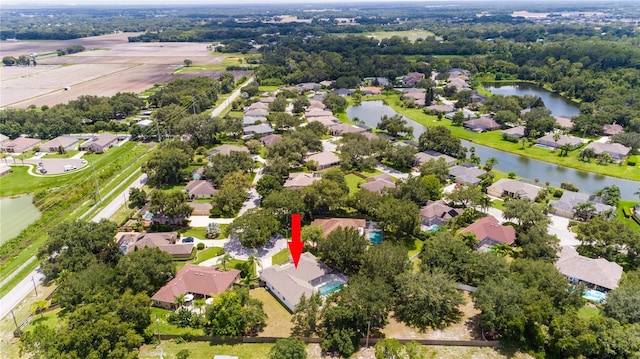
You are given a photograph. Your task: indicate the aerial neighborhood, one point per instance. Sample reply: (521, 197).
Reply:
(475, 190)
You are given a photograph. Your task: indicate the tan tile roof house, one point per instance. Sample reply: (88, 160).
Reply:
(324, 160)
(378, 183)
(490, 232)
(227, 149)
(200, 189)
(466, 173)
(269, 140)
(548, 140)
(482, 124)
(68, 143)
(3, 139)
(437, 213)
(316, 112)
(329, 225)
(20, 144)
(327, 121)
(425, 156)
(615, 150)
(513, 189)
(165, 241)
(100, 143)
(301, 179)
(612, 129)
(289, 283)
(202, 282)
(515, 132)
(342, 128)
(598, 273)
(564, 122)
(371, 90)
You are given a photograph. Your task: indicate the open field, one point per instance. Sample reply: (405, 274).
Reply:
(109, 65)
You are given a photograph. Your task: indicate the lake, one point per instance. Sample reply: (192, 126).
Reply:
(558, 105)
(371, 111)
(16, 214)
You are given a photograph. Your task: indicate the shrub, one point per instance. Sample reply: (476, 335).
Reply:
(557, 193)
(511, 175)
(569, 186)
(631, 163)
(200, 246)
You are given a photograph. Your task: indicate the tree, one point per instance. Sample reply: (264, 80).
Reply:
(187, 62)
(222, 165)
(602, 238)
(389, 348)
(395, 125)
(278, 105)
(137, 197)
(145, 270)
(623, 303)
(306, 315)
(283, 121)
(440, 139)
(224, 260)
(466, 195)
(300, 103)
(267, 184)
(458, 118)
(584, 210)
(418, 189)
(167, 164)
(437, 168)
(343, 249)
(312, 235)
(428, 300)
(72, 246)
(254, 228)
(385, 261)
(397, 216)
(233, 314)
(401, 156)
(490, 163)
(172, 205)
(335, 102)
(610, 194)
(288, 348)
(232, 193)
(324, 195)
(357, 151)
(284, 203)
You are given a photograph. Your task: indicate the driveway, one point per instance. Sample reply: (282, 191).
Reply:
(392, 172)
(203, 221)
(56, 165)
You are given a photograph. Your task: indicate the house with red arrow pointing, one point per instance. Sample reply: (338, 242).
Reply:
(289, 283)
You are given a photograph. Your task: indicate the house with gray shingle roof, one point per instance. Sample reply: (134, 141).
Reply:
(324, 160)
(289, 283)
(565, 205)
(200, 189)
(20, 144)
(65, 142)
(515, 132)
(227, 149)
(548, 140)
(615, 150)
(260, 130)
(513, 189)
(599, 274)
(100, 143)
(466, 173)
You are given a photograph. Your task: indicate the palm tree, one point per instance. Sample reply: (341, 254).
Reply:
(502, 249)
(252, 262)
(226, 258)
(556, 137)
(491, 161)
(179, 300)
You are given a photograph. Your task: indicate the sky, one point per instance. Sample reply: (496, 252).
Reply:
(183, 2)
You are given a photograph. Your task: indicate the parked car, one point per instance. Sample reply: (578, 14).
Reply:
(187, 240)
(84, 162)
(68, 168)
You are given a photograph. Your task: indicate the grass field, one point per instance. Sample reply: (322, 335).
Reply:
(628, 220)
(197, 232)
(204, 350)
(165, 327)
(353, 181)
(494, 139)
(278, 317)
(281, 257)
(589, 312)
(208, 253)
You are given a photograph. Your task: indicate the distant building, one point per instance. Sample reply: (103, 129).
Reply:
(165, 241)
(615, 150)
(200, 189)
(342, 128)
(64, 142)
(565, 205)
(301, 179)
(466, 173)
(612, 129)
(270, 140)
(437, 213)
(329, 225)
(20, 144)
(198, 281)
(548, 140)
(412, 78)
(489, 232)
(227, 149)
(482, 124)
(371, 90)
(513, 189)
(564, 122)
(324, 160)
(428, 155)
(378, 183)
(262, 129)
(100, 143)
(515, 132)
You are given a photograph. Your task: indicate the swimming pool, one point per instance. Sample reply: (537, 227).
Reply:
(433, 228)
(375, 237)
(543, 146)
(330, 287)
(594, 296)
(148, 216)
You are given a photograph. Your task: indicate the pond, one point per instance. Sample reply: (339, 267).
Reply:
(16, 214)
(371, 111)
(558, 105)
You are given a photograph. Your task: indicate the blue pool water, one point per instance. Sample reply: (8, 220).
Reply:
(375, 237)
(330, 287)
(148, 216)
(434, 228)
(543, 146)
(594, 296)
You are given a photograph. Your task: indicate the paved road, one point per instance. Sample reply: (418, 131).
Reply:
(25, 287)
(218, 110)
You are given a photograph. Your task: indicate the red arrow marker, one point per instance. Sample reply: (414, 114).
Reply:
(295, 244)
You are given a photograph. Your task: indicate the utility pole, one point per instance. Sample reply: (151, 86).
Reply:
(34, 285)
(96, 180)
(368, 327)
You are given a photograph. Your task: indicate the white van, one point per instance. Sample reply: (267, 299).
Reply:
(68, 168)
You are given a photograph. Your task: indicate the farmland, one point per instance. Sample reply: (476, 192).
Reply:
(109, 65)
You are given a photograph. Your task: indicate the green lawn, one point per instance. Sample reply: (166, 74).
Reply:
(494, 139)
(589, 312)
(413, 245)
(208, 253)
(278, 316)
(165, 327)
(205, 350)
(197, 232)
(268, 88)
(233, 264)
(628, 220)
(353, 181)
(68, 154)
(281, 257)
(48, 319)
